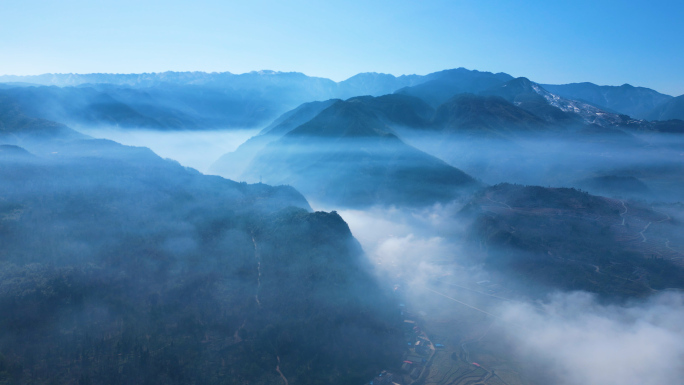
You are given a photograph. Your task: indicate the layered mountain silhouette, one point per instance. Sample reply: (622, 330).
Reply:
(162, 107)
(118, 266)
(198, 100)
(521, 92)
(149, 271)
(231, 165)
(515, 110)
(464, 114)
(197, 78)
(346, 155)
(493, 135)
(183, 100)
(392, 109)
(17, 128)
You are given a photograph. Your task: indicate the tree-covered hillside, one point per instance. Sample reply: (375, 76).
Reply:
(563, 238)
(119, 267)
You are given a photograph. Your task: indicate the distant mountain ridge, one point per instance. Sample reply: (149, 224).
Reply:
(149, 79)
(520, 91)
(15, 127)
(626, 99)
(366, 83)
(183, 100)
(351, 151)
(233, 164)
(441, 86)
(200, 100)
(372, 81)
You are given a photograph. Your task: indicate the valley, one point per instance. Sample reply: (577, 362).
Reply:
(277, 228)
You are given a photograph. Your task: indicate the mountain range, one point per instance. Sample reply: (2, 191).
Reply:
(198, 100)
(119, 266)
(491, 135)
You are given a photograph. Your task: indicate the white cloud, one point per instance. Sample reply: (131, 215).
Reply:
(580, 341)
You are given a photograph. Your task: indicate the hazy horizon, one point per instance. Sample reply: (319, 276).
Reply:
(606, 43)
(336, 80)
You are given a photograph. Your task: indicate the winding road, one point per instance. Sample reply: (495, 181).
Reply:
(256, 256)
(622, 214)
(281, 373)
(642, 232)
(501, 203)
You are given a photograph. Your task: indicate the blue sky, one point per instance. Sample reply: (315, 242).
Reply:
(555, 41)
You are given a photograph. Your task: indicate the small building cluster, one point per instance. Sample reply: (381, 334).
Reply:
(417, 355)
(386, 378)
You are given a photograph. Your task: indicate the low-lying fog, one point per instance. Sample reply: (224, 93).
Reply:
(574, 340)
(196, 149)
(567, 338)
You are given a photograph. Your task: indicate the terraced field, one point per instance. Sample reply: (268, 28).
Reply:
(458, 318)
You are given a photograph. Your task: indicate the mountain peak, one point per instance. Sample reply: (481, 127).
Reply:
(521, 81)
(512, 88)
(343, 119)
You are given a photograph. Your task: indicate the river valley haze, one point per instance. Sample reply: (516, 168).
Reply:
(383, 193)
